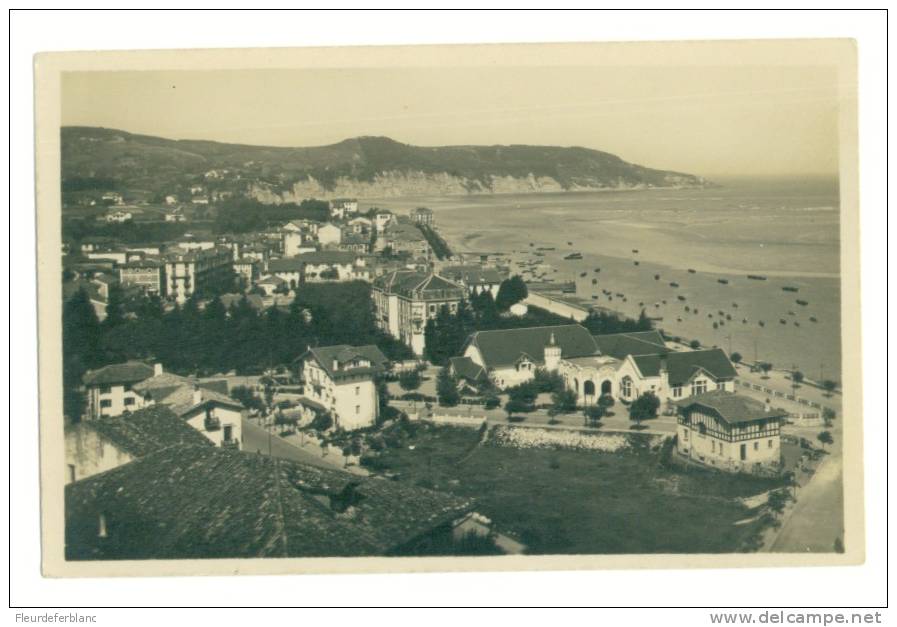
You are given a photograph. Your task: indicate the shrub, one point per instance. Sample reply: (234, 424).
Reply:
(321, 422)
(516, 418)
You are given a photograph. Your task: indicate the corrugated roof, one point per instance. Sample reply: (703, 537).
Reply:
(201, 502)
(504, 347)
(683, 365)
(733, 408)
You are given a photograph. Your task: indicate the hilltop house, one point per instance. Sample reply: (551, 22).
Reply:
(404, 300)
(730, 432)
(95, 446)
(340, 380)
(197, 502)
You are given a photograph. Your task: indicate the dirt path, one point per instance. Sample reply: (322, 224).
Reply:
(817, 518)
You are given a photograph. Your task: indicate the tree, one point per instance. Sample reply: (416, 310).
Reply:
(80, 350)
(491, 401)
(247, 397)
(514, 408)
(735, 358)
(447, 388)
(828, 415)
(829, 386)
(115, 306)
(511, 291)
(410, 380)
(765, 367)
(594, 414)
(797, 377)
(644, 408)
(777, 500)
(694, 345)
(563, 401)
(644, 322)
(825, 437)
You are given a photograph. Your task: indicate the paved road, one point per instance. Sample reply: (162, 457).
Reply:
(256, 439)
(817, 517)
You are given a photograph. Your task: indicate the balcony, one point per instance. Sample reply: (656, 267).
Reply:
(211, 423)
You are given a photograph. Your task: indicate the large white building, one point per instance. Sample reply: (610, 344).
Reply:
(199, 270)
(340, 380)
(622, 365)
(730, 432)
(404, 300)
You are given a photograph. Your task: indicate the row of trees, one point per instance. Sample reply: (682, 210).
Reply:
(215, 338)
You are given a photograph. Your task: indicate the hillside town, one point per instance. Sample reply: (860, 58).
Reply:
(308, 384)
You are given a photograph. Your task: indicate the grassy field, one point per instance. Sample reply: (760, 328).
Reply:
(579, 502)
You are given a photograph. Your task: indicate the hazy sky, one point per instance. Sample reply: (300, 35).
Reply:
(711, 121)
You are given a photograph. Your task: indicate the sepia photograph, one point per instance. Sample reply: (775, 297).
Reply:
(501, 307)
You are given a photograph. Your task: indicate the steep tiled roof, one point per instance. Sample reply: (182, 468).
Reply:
(128, 372)
(146, 430)
(201, 502)
(465, 368)
(343, 353)
(418, 285)
(733, 408)
(683, 365)
(177, 392)
(504, 347)
(620, 345)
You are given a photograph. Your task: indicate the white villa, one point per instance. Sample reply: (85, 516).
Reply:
(340, 380)
(730, 432)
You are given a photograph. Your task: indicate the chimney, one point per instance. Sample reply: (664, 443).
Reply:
(157, 369)
(197, 396)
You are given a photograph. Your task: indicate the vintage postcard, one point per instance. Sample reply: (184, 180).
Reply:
(449, 308)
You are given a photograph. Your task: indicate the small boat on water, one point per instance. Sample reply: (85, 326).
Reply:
(678, 319)
(594, 281)
(664, 302)
(721, 312)
(796, 323)
(791, 313)
(692, 271)
(788, 288)
(723, 281)
(619, 294)
(531, 244)
(674, 285)
(735, 305)
(756, 277)
(573, 256)
(813, 319)
(635, 250)
(687, 308)
(782, 321)
(569, 243)
(597, 269)
(594, 296)
(635, 263)
(582, 274)
(624, 300)
(802, 303)
(744, 321)
(761, 323)
(656, 277)
(681, 298)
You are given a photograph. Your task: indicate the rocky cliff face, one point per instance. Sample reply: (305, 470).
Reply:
(395, 184)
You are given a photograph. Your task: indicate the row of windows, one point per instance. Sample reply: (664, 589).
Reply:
(107, 403)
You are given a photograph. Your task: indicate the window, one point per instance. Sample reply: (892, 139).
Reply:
(105, 403)
(357, 390)
(228, 433)
(720, 448)
(358, 409)
(756, 446)
(685, 435)
(71, 471)
(677, 391)
(769, 444)
(106, 389)
(699, 387)
(712, 446)
(129, 400)
(626, 387)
